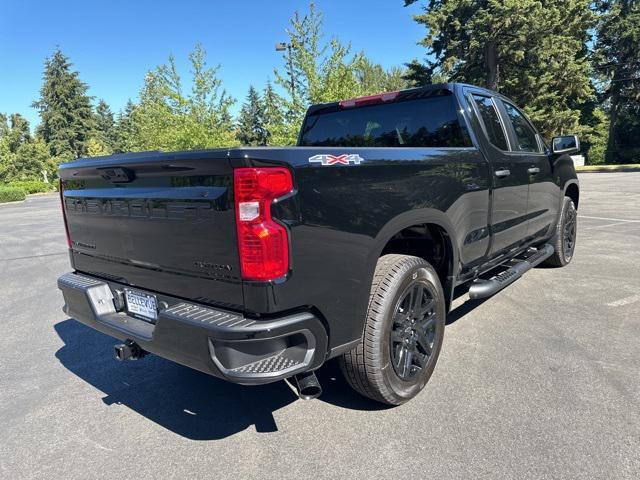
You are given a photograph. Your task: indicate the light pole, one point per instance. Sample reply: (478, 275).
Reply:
(281, 47)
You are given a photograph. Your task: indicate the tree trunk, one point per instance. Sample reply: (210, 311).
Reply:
(616, 95)
(493, 67)
(611, 155)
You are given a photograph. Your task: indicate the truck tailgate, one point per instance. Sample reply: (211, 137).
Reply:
(162, 221)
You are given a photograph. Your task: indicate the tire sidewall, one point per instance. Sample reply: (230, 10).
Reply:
(405, 390)
(567, 207)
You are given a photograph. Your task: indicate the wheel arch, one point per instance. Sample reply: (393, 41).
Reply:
(439, 230)
(572, 190)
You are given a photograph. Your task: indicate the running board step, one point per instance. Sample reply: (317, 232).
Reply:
(486, 288)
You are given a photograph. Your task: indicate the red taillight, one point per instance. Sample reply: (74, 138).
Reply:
(371, 99)
(263, 243)
(64, 213)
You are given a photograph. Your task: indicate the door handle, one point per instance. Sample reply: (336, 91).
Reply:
(502, 173)
(533, 170)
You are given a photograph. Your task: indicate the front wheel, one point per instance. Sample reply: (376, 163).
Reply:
(403, 332)
(564, 238)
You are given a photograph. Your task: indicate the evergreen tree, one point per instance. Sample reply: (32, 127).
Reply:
(277, 129)
(273, 105)
(418, 74)
(125, 131)
(65, 109)
(251, 121)
(532, 51)
(105, 126)
(618, 55)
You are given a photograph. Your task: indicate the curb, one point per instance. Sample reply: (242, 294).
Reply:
(609, 169)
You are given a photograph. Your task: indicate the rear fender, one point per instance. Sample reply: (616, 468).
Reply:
(408, 219)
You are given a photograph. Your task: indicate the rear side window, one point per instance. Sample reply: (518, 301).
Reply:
(525, 135)
(491, 121)
(423, 122)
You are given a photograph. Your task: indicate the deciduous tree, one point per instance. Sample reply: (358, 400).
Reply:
(317, 70)
(167, 118)
(96, 148)
(18, 132)
(373, 78)
(22, 157)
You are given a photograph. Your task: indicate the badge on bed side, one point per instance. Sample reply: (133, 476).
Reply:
(344, 159)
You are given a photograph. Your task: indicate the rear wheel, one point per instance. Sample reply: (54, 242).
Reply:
(564, 238)
(403, 333)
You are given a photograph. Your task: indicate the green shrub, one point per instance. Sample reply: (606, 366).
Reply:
(596, 154)
(11, 194)
(33, 186)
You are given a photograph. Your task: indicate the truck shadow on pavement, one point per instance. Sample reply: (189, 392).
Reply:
(187, 402)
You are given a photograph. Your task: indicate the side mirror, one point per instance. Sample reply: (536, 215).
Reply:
(568, 144)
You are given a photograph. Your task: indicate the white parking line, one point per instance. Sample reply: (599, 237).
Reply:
(610, 219)
(625, 301)
(605, 226)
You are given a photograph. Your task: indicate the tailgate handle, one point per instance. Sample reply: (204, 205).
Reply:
(116, 174)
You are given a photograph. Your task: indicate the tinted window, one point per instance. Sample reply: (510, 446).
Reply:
(525, 135)
(425, 122)
(491, 121)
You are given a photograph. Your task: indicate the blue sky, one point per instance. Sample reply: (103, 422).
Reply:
(113, 43)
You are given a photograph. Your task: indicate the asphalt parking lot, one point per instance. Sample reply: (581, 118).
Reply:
(540, 381)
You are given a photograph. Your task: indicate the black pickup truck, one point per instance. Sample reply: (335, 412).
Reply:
(260, 264)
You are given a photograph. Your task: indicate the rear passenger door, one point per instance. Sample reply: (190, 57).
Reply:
(508, 218)
(543, 199)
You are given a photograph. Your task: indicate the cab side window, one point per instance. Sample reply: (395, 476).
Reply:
(525, 135)
(491, 121)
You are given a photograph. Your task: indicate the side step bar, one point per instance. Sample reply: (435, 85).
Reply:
(485, 288)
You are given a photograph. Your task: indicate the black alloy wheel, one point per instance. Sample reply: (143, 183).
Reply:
(414, 329)
(569, 233)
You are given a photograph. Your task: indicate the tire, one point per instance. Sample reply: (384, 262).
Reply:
(564, 238)
(377, 368)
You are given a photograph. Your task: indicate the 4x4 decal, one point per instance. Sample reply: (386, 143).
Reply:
(344, 159)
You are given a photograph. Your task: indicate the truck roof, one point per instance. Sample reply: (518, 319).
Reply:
(225, 152)
(404, 94)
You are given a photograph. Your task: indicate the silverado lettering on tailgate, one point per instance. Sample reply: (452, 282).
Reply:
(140, 208)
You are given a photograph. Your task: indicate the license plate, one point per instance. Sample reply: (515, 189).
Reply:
(141, 304)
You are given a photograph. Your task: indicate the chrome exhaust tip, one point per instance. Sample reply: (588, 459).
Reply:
(308, 386)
